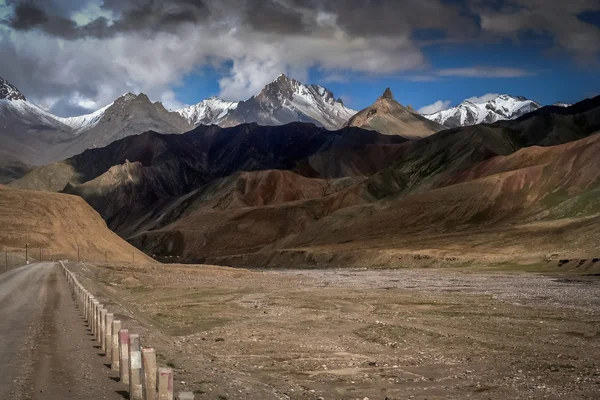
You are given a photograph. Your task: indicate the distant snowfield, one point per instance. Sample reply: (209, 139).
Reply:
(84, 122)
(207, 112)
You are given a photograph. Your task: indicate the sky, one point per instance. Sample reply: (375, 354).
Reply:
(75, 56)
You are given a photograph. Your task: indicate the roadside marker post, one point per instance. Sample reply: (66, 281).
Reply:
(135, 368)
(165, 384)
(96, 305)
(149, 373)
(115, 356)
(107, 344)
(102, 337)
(124, 355)
(99, 322)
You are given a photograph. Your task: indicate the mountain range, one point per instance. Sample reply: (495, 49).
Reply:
(32, 136)
(390, 182)
(298, 193)
(472, 112)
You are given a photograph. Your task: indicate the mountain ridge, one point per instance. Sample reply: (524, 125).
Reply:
(282, 101)
(467, 113)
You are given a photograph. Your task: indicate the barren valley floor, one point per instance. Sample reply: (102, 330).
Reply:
(351, 334)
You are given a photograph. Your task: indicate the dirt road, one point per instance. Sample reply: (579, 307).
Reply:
(46, 351)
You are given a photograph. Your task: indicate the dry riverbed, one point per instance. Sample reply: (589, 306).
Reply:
(351, 334)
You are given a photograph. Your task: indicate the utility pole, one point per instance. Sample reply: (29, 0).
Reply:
(40, 254)
(78, 259)
(133, 255)
(6, 255)
(26, 255)
(105, 257)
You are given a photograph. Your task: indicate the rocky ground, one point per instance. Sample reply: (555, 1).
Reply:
(353, 334)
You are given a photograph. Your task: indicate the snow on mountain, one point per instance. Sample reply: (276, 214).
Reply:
(9, 92)
(84, 122)
(503, 107)
(282, 101)
(561, 104)
(29, 114)
(208, 112)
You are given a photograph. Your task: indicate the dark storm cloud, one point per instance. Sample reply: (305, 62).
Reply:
(396, 17)
(27, 16)
(134, 16)
(273, 16)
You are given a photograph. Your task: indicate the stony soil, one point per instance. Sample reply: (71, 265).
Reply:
(351, 334)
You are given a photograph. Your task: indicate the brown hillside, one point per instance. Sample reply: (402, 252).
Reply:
(58, 223)
(526, 204)
(236, 214)
(536, 196)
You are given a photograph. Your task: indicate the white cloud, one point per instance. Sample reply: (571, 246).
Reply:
(336, 77)
(482, 99)
(97, 70)
(337, 37)
(435, 107)
(484, 72)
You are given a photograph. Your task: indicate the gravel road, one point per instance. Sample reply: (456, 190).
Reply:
(46, 351)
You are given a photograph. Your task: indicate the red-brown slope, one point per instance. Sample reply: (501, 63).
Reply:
(532, 186)
(524, 193)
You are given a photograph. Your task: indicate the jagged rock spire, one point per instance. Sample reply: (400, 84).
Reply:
(388, 94)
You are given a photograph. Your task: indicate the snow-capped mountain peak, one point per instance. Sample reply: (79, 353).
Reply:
(281, 101)
(14, 106)
(10, 92)
(502, 107)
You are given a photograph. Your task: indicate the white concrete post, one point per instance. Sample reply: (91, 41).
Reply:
(116, 357)
(96, 320)
(102, 338)
(185, 396)
(135, 368)
(165, 384)
(149, 372)
(124, 356)
(107, 344)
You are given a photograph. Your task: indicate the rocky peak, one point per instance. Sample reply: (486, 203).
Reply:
(126, 98)
(9, 92)
(387, 94)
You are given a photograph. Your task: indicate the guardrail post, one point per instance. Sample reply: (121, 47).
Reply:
(165, 384)
(149, 372)
(102, 337)
(124, 356)
(96, 318)
(115, 356)
(135, 368)
(110, 317)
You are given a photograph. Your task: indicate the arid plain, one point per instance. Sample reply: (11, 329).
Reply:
(485, 332)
